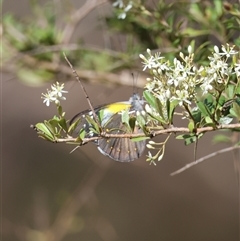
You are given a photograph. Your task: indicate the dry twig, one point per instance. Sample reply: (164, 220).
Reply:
(204, 159)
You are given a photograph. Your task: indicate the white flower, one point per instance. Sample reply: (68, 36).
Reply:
(48, 98)
(237, 69)
(149, 63)
(189, 49)
(228, 51)
(207, 85)
(152, 62)
(216, 49)
(128, 7)
(118, 3)
(123, 9)
(181, 96)
(58, 90)
(122, 15)
(54, 95)
(150, 147)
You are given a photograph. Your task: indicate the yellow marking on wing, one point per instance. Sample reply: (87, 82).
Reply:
(116, 107)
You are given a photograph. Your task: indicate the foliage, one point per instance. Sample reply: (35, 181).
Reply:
(32, 45)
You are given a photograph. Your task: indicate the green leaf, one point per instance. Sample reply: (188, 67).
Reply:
(63, 124)
(189, 138)
(52, 125)
(222, 100)
(151, 100)
(236, 111)
(237, 90)
(43, 129)
(202, 108)
(180, 137)
(125, 117)
(142, 138)
(209, 103)
(237, 98)
(158, 118)
(132, 123)
(93, 130)
(156, 104)
(141, 121)
(196, 114)
(191, 125)
(101, 115)
(170, 109)
(59, 108)
(93, 124)
(73, 126)
(230, 91)
(208, 120)
(82, 134)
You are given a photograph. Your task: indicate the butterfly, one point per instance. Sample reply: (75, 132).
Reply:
(110, 117)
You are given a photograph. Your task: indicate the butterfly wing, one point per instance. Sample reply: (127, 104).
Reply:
(104, 113)
(83, 124)
(120, 149)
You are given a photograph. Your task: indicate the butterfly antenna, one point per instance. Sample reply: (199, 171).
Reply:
(132, 82)
(84, 90)
(135, 88)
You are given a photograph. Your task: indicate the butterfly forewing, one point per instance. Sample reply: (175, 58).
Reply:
(103, 114)
(84, 121)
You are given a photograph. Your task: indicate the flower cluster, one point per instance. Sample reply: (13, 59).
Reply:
(123, 9)
(179, 80)
(175, 81)
(54, 95)
(216, 76)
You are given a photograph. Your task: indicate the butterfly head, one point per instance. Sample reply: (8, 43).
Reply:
(137, 104)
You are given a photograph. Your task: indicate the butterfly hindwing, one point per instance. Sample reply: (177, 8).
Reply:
(110, 117)
(120, 149)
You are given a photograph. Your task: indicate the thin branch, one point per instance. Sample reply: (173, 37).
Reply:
(204, 159)
(153, 134)
(84, 91)
(77, 16)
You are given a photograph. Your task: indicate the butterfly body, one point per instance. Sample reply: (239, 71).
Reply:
(110, 117)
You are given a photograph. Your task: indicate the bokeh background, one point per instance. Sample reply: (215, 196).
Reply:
(50, 194)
